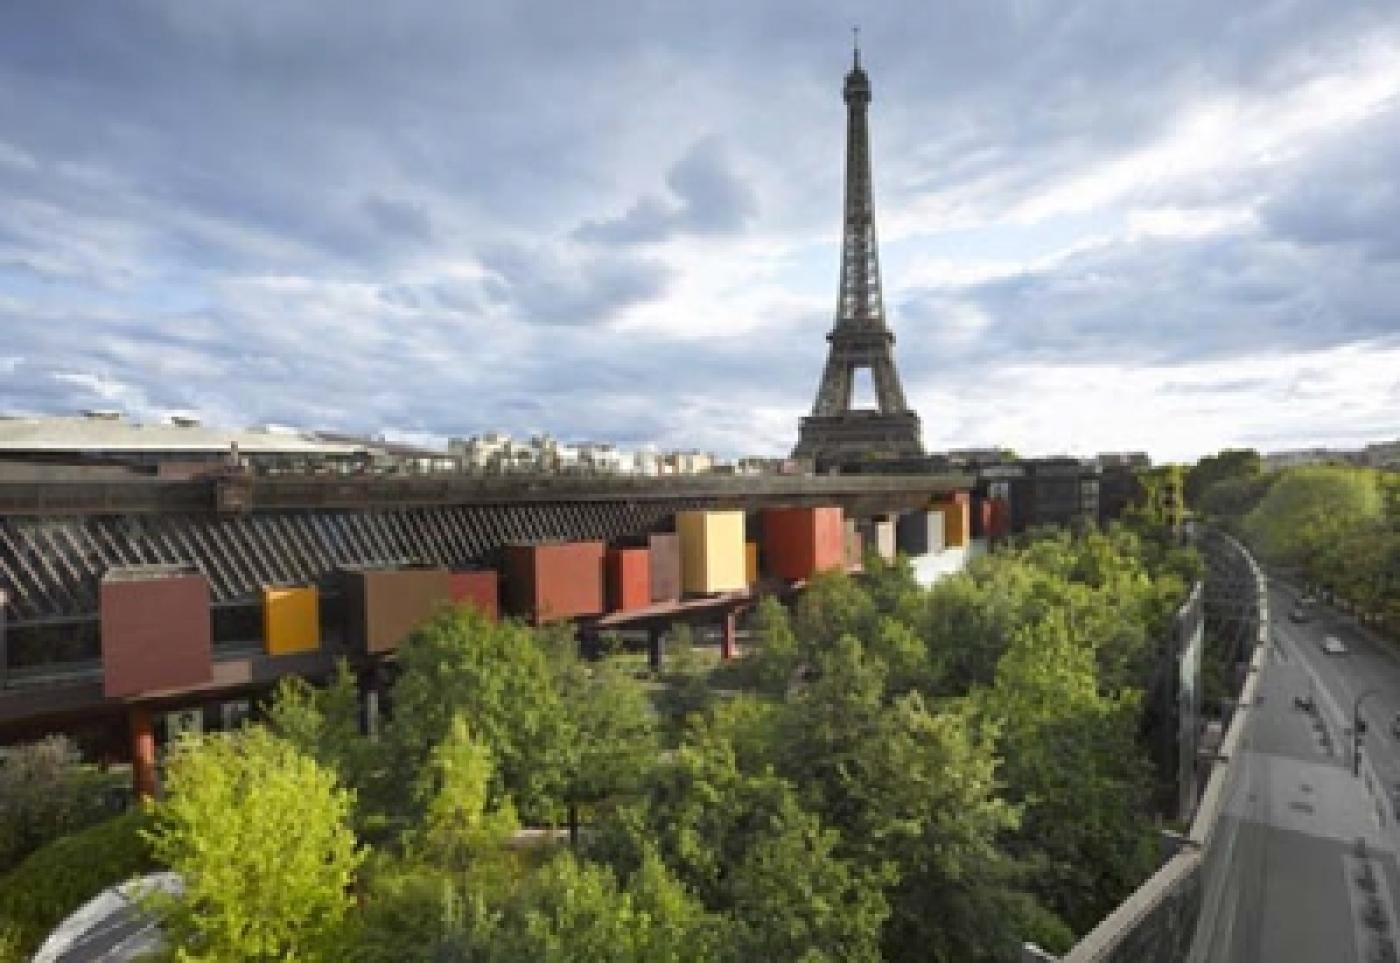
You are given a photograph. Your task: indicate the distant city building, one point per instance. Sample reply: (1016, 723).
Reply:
(1384, 454)
(178, 448)
(498, 453)
(1124, 459)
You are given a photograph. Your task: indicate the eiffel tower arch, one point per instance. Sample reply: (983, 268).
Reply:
(835, 432)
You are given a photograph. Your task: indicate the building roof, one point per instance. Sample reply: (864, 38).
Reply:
(112, 434)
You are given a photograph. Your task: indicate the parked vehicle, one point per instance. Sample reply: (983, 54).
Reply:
(1305, 703)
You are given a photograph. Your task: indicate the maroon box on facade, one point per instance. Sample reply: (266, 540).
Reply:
(800, 542)
(629, 579)
(382, 606)
(999, 522)
(664, 553)
(556, 580)
(156, 631)
(480, 589)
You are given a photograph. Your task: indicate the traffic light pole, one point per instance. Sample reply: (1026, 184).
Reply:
(1358, 731)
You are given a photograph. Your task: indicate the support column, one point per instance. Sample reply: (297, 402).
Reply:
(729, 632)
(656, 648)
(143, 752)
(369, 701)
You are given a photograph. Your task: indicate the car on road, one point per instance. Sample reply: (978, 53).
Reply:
(1299, 614)
(1306, 704)
(1333, 646)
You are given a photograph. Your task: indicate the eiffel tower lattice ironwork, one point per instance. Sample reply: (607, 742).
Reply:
(835, 432)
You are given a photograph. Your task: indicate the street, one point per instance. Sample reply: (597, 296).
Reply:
(1315, 851)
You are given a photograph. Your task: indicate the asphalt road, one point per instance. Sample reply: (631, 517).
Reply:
(1313, 870)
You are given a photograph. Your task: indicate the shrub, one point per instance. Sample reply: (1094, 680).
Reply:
(54, 881)
(44, 794)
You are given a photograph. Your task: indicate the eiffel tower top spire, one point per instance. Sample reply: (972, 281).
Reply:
(836, 433)
(860, 303)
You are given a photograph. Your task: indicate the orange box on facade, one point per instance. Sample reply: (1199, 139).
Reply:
(629, 579)
(556, 580)
(800, 542)
(479, 589)
(291, 620)
(957, 521)
(156, 631)
(751, 562)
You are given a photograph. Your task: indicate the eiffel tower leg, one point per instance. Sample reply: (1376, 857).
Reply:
(887, 387)
(834, 395)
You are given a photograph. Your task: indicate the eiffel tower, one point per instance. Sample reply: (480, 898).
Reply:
(835, 433)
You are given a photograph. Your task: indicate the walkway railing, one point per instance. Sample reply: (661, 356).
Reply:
(1187, 909)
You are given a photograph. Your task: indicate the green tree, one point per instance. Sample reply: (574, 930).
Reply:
(324, 723)
(1072, 763)
(499, 676)
(1231, 464)
(777, 655)
(914, 797)
(258, 832)
(615, 735)
(1228, 501)
(1308, 509)
(574, 911)
(834, 605)
(792, 898)
(458, 829)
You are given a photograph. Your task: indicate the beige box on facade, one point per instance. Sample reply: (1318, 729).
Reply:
(712, 551)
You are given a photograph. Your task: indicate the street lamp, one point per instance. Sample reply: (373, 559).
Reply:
(1358, 730)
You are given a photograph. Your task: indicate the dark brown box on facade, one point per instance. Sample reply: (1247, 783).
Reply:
(156, 631)
(556, 580)
(382, 606)
(480, 589)
(665, 566)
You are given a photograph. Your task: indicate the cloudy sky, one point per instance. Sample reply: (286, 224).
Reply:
(1168, 225)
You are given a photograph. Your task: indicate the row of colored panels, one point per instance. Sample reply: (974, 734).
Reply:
(155, 627)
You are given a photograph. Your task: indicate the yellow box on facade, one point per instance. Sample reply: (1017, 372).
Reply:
(712, 551)
(751, 562)
(291, 620)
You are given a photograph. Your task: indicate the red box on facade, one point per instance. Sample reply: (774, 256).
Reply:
(479, 589)
(156, 631)
(999, 523)
(664, 552)
(800, 542)
(384, 605)
(629, 579)
(557, 580)
(981, 518)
